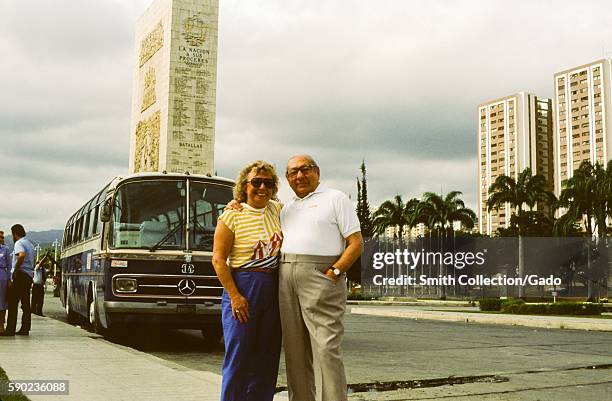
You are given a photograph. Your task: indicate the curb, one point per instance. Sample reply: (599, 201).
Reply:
(410, 303)
(548, 322)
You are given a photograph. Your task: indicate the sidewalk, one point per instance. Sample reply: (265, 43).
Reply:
(549, 322)
(99, 370)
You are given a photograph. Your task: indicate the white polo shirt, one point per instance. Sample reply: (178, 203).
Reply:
(318, 223)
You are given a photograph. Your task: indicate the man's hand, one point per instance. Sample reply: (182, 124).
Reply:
(330, 273)
(234, 205)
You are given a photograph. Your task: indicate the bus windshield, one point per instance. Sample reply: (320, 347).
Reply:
(152, 214)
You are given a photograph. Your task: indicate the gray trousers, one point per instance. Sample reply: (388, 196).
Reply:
(312, 309)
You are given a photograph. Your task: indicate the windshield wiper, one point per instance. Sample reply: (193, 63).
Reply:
(167, 236)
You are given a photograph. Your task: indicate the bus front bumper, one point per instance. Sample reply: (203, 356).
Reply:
(162, 308)
(160, 314)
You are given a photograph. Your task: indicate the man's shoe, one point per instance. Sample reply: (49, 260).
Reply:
(23, 333)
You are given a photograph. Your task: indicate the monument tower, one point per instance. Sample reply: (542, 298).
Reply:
(174, 90)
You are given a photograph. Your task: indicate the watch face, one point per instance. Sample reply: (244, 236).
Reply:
(337, 272)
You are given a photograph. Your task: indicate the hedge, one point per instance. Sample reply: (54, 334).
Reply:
(490, 304)
(496, 304)
(509, 302)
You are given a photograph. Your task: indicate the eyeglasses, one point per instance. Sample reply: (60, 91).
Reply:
(306, 169)
(268, 182)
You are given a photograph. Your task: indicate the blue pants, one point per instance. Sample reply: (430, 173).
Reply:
(252, 349)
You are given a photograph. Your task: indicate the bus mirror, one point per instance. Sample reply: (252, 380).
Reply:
(105, 213)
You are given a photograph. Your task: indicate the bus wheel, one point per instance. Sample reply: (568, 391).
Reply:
(71, 317)
(213, 333)
(94, 320)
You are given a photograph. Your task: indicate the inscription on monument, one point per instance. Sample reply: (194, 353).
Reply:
(147, 144)
(192, 110)
(179, 114)
(151, 43)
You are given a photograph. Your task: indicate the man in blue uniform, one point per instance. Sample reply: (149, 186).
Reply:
(22, 273)
(5, 276)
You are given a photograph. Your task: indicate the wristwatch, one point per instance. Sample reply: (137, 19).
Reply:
(337, 272)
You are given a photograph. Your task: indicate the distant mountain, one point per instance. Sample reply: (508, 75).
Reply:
(44, 238)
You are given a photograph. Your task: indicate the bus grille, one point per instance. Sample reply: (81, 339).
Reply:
(172, 287)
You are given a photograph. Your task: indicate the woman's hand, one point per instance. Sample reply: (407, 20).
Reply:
(240, 308)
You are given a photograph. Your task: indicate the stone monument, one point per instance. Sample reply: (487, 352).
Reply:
(174, 90)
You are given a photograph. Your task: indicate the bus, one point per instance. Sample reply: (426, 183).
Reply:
(139, 252)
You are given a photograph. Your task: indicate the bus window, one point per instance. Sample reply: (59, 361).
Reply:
(95, 221)
(86, 226)
(206, 205)
(136, 221)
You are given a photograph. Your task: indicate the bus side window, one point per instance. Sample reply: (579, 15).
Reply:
(86, 226)
(95, 221)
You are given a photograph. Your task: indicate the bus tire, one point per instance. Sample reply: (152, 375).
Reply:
(213, 333)
(93, 316)
(71, 316)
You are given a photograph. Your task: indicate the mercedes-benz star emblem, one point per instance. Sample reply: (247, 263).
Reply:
(186, 287)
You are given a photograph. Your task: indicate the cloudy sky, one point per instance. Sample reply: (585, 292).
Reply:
(394, 82)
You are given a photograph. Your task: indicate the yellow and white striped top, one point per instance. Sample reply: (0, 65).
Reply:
(257, 235)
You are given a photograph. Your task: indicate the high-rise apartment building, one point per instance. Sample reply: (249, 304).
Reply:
(514, 132)
(582, 116)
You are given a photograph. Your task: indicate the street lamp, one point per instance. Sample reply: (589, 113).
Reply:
(55, 244)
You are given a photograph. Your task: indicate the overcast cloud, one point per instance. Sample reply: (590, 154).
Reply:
(395, 82)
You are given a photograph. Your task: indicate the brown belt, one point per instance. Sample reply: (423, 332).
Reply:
(257, 269)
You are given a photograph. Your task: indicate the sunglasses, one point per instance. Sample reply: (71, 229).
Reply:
(268, 182)
(303, 169)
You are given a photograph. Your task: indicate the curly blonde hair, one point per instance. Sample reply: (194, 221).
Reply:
(243, 178)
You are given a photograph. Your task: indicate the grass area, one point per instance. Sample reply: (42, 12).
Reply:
(514, 314)
(16, 397)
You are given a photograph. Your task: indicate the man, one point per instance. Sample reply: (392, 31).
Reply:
(5, 267)
(38, 286)
(322, 239)
(21, 276)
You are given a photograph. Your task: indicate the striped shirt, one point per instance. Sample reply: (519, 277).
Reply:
(257, 235)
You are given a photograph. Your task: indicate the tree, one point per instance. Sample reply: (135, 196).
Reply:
(527, 191)
(390, 213)
(445, 211)
(363, 206)
(441, 212)
(586, 198)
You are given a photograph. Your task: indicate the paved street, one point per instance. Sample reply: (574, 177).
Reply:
(489, 362)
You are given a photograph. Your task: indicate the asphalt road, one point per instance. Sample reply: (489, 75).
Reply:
(430, 360)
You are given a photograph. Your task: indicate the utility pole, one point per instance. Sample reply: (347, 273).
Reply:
(55, 244)
(37, 250)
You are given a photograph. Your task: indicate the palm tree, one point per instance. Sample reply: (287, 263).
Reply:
(527, 191)
(586, 197)
(394, 213)
(566, 226)
(441, 212)
(444, 211)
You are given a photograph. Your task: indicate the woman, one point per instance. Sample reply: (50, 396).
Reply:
(251, 238)
(5, 277)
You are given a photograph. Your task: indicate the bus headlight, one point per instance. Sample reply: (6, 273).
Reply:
(126, 284)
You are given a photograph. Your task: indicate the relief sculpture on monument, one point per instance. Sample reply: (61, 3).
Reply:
(195, 30)
(147, 144)
(148, 95)
(151, 44)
